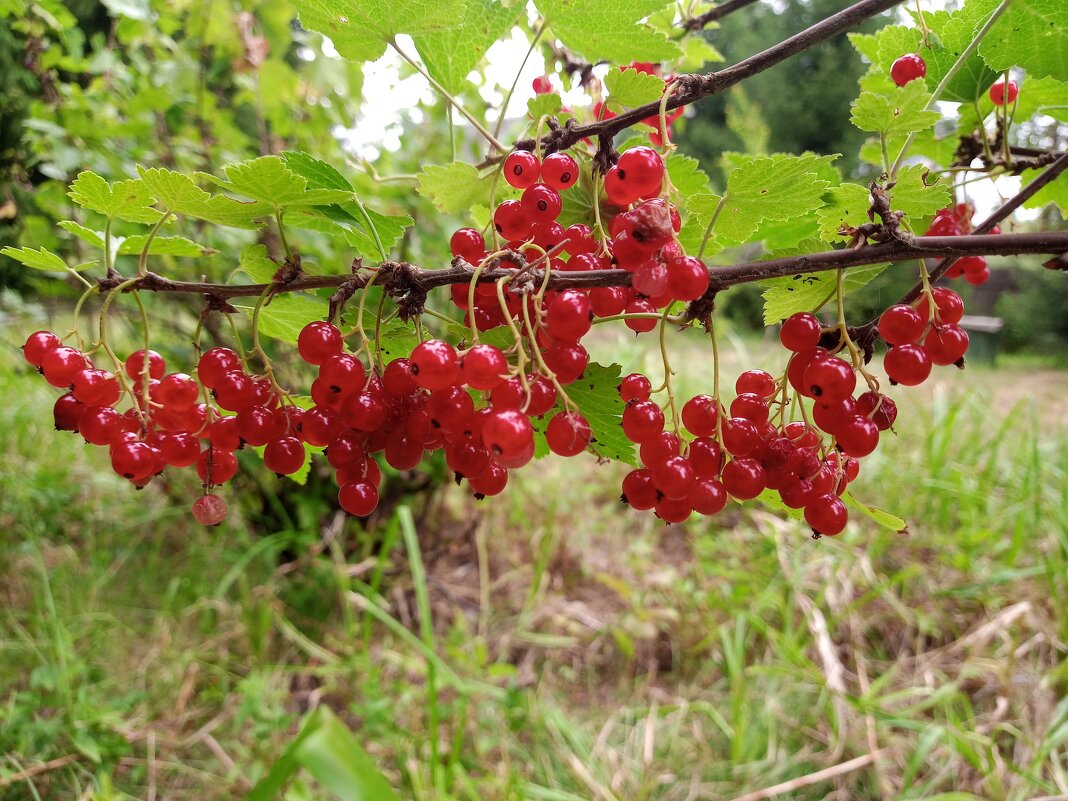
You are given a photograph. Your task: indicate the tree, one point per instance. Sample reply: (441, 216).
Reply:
(580, 222)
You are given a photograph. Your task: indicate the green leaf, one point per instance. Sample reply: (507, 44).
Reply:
(805, 292)
(951, 33)
(596, 395)
(328, 751)
(39, 259)
(686, 176)
(177, 194)
(700, 209)
(318, 174)
(696, 52)
(902, 111)
(286, 315)
(124, 200)
(775, 187)
(453, 188)
(883, 518)
(847, 206)
(450, 55)
(912, 195)
(94, 238)
(548, 104)
(268, 180)
(164, 246)
(255, 262)
(1055, 192)
(1030, 34)
(609, 31)
(1042, 96)
(628, 88)
(361, 29)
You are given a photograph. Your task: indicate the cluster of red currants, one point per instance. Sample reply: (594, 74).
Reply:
(957, 221)
(747, 448)
(911, 66)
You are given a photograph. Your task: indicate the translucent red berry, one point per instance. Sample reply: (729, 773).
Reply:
(434, 364)
(1003, 93)
(215, 363)
(135, 364)
(568, 433)
(521, 169)
(358, 498)
(209, 510)
(37, 345)
(559, 171)
(901, 325)
(826, 514)
(800, 332)
(318, 341)
(635, 386)
(907, 68)
(907, 364)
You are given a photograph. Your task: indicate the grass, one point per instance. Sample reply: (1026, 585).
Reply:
(550, 645)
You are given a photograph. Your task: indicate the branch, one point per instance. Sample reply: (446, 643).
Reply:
(693, 87)
(715, 14)
(401, 279)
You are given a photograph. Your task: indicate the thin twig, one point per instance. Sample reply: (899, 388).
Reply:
(714, 14)
(811, 778)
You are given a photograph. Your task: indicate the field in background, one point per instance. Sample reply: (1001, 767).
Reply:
(577, 651)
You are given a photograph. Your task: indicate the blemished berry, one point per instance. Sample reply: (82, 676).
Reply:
(559, 171)
(1003, 93)
(209, 510)
(635, 386)
(881, 409)
(358, 498)
(37, 345)
(700, 415)
(318, 341)
(521, 169)
(568, 433)
(826, 514)
(135, 364)
(907, 364)
(642, 420)
(434, 364)
(800, 332)
(901, 325)
(907, 68)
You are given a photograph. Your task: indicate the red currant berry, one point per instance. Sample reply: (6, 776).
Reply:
(61, 363)
(358, 498)
(133, 460)
(135, 364)
(907, 364)
(700, 415)
(434, 364)
(559, 171)
(95, 387)
(674, 477)
(707, 497)
(1003, 93)
(99, 425)
(319, 425)
(318, 341)
(946, 344)
(744, 479)
(234, 391)
(179, 449)
(342, 374)
(798, 366)
(521, 169)
(673, 511)
(568, 316)
(901, 325)
(826, 514)
(740, 437)
(881, 409)
(619, 191)
(483, 367)
(858, 436)
(635, 387)
(655, 450)
(757, 382)
(706, 456)
(178, 391)
(830, 378)
(489, 482)
(751, 407)
(688, 278)
(568, 433)
(512, 221)
(214, 364)
(642, 420)
(542, 86)
(468, 244)
(567, 361)
(642, 169)
(364, 411)
(650, 278)
(507, 434)
(67, 413)
(948, 304)
(450, 408)
(639, 491)
(800, 332)
(223, 434)
(37, 345)
(284, 456)
(541, 203)
(209, 510)
(907, 68)
(641, 325)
